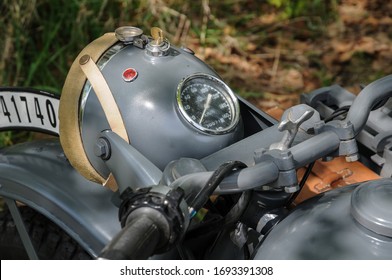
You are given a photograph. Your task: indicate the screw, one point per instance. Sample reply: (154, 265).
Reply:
(102, 149)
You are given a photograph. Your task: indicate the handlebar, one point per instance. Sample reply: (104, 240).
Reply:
(267, 171)
(153, 221)
(366, 100)
(138, 239)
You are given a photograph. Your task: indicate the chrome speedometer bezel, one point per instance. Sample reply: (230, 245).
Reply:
(227, 92)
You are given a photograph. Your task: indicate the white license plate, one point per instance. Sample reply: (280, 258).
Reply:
(29, 109)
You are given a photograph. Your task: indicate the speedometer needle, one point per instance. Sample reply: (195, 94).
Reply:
(206, 106)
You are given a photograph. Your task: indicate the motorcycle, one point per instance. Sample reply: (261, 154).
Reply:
(156, 157)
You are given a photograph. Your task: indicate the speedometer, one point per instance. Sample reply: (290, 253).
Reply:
(208, 104)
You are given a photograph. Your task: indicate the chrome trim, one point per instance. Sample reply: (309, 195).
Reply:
(127, 34)
(101, 63)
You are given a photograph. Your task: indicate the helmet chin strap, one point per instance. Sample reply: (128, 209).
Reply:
(70, 130)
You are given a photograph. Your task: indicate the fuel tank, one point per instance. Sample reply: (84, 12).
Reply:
(353, 222)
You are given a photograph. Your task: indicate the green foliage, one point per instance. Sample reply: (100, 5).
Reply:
(5, 138)
(249, 94)
(41, 38)
(315, 8)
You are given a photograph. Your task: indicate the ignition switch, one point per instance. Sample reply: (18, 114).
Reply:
(159, 45)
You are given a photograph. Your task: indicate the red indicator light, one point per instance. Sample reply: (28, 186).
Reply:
(129, 74)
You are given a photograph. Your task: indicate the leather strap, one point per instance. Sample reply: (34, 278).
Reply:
(105, 96)
(70, 131)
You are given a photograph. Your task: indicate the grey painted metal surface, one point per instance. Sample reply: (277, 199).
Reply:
(371, 206)
(323, 97)
(266, 171)
(243, 150)
(290, 123)
(366, 100)
(323, 228)
(149, 108)
(314, 148)
(376, 134)
(129, 167)
(38, 175)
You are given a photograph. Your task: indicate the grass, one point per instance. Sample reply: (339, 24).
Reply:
(42, 37)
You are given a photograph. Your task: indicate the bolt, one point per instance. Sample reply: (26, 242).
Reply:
(102, 149)
(327, 158)
(345, 124)
(266, 188)
(156, 200)
(352, 157)
(258, 153)
(291, 189)
(318, 125)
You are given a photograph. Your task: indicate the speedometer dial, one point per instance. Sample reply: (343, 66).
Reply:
(208, 104)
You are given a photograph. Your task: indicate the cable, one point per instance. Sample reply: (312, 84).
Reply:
(302, 183)
(213, 182)
(344, 109)
(238, 209)
(338, 112)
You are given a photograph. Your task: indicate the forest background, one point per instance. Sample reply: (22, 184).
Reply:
(268, 51)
